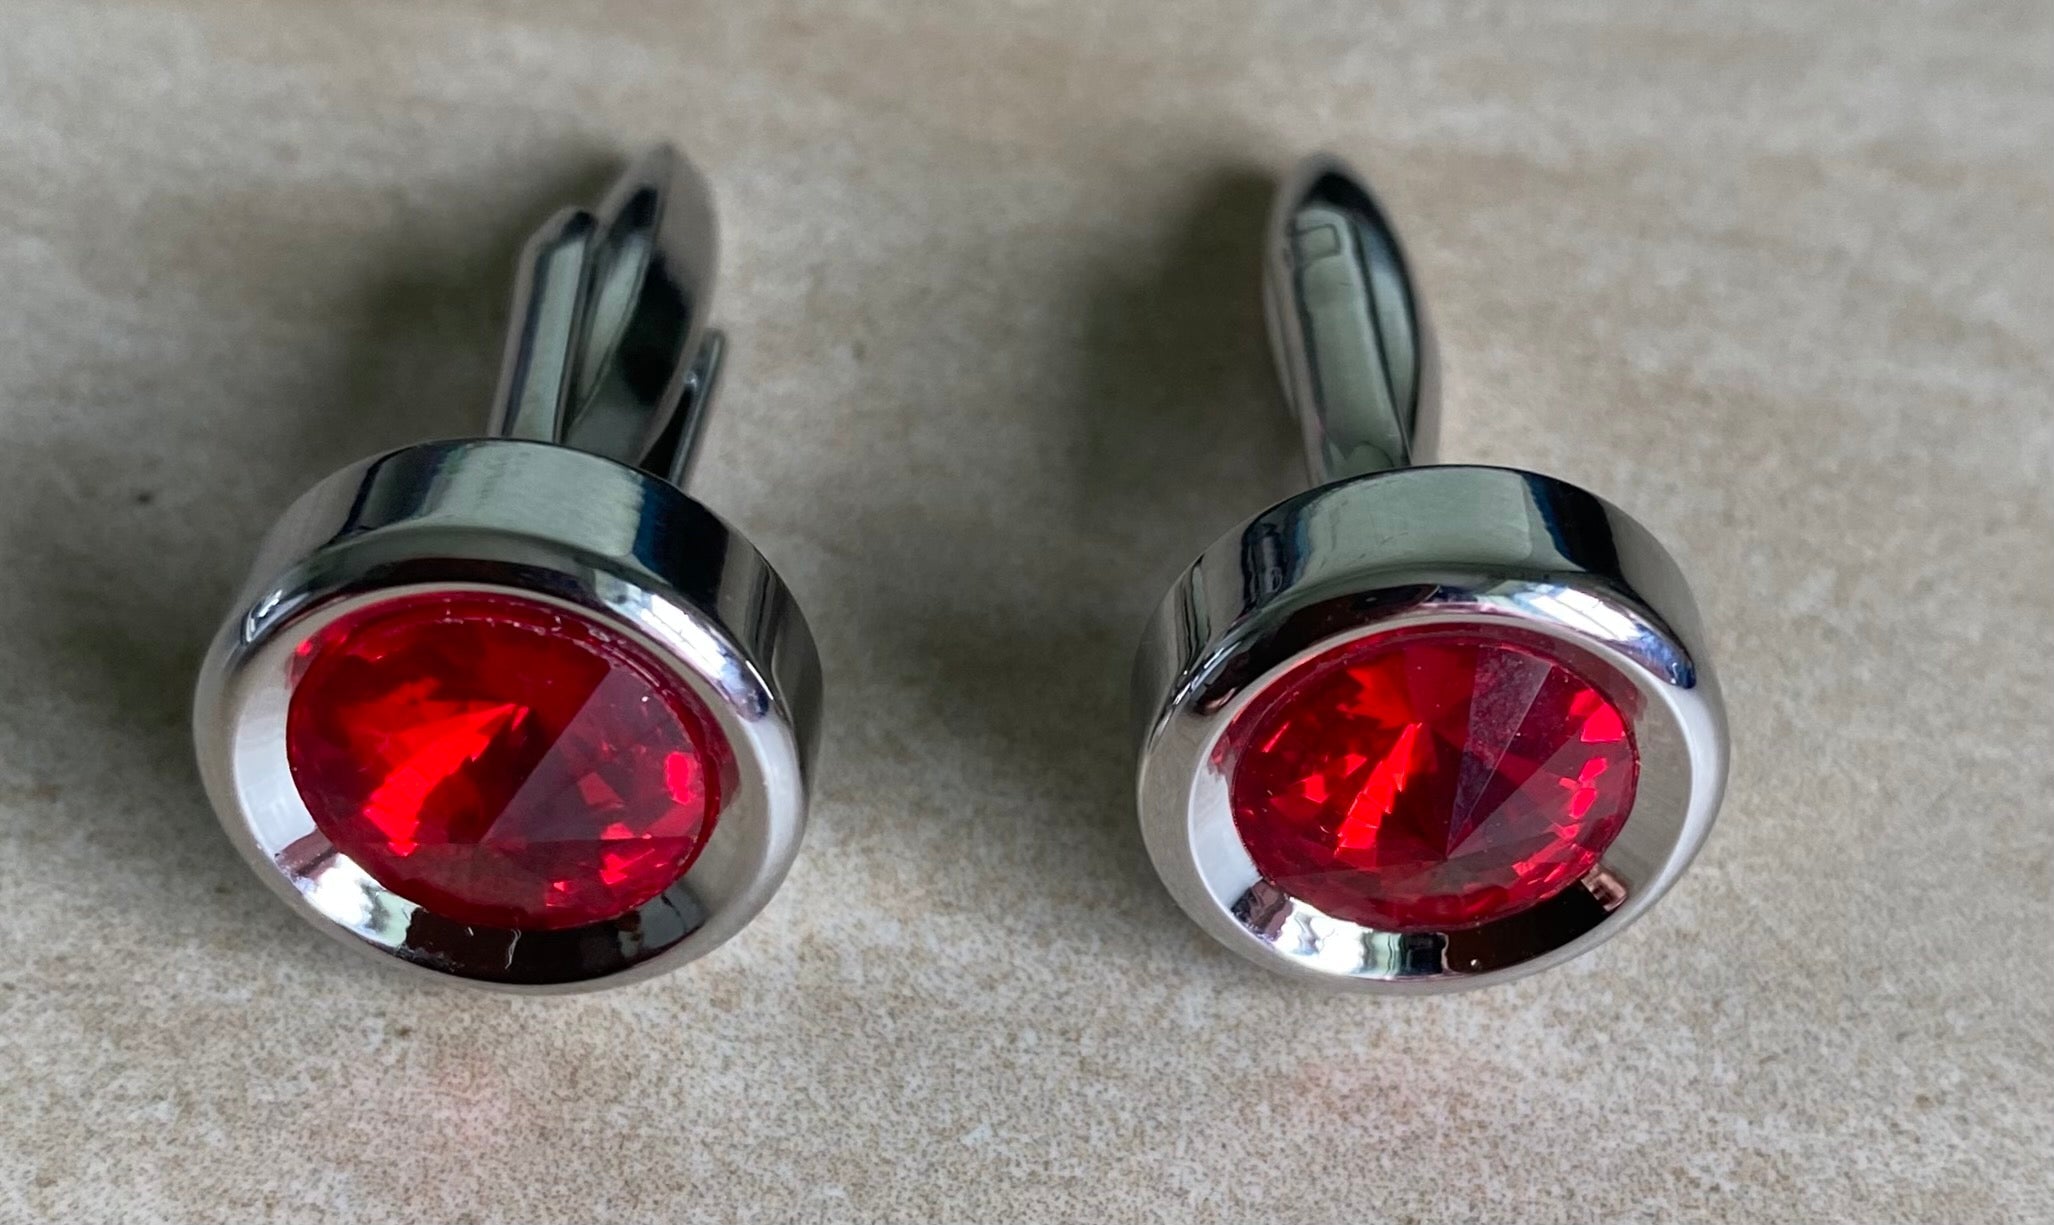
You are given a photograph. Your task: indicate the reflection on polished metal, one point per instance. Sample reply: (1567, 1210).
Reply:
(572, 502)
(609, 351)
(1384, 544)
(1349, 333)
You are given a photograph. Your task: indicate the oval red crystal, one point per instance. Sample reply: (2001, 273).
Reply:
(501, 761)
(1430, 779)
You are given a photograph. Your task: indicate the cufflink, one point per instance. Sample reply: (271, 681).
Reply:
(1419, 728)
(515, 710)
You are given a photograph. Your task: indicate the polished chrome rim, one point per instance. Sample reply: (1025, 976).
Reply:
(609, 374)
(557, 526)
(1382, 545)
(1522, 556)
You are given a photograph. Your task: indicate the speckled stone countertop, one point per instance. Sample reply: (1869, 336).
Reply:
(1779, 278)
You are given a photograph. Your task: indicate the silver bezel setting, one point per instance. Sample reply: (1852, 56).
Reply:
(1517, 554)
(552, 525)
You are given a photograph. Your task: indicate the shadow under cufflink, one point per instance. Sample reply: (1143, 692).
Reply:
(1180, 427)
(287, 332)
(1168, 430)
(1178, 431)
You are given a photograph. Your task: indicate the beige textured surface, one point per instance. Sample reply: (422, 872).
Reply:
(1778, 278)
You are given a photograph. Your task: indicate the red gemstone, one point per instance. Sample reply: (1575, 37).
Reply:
(502, 762)
(1430, 779)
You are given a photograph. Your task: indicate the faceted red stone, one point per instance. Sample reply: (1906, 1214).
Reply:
(1429, 779)
(502, 762)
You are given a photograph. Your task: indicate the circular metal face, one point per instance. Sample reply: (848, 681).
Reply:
(1477, 554)
(610, 546)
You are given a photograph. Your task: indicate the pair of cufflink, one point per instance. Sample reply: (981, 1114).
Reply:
(516, 710)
